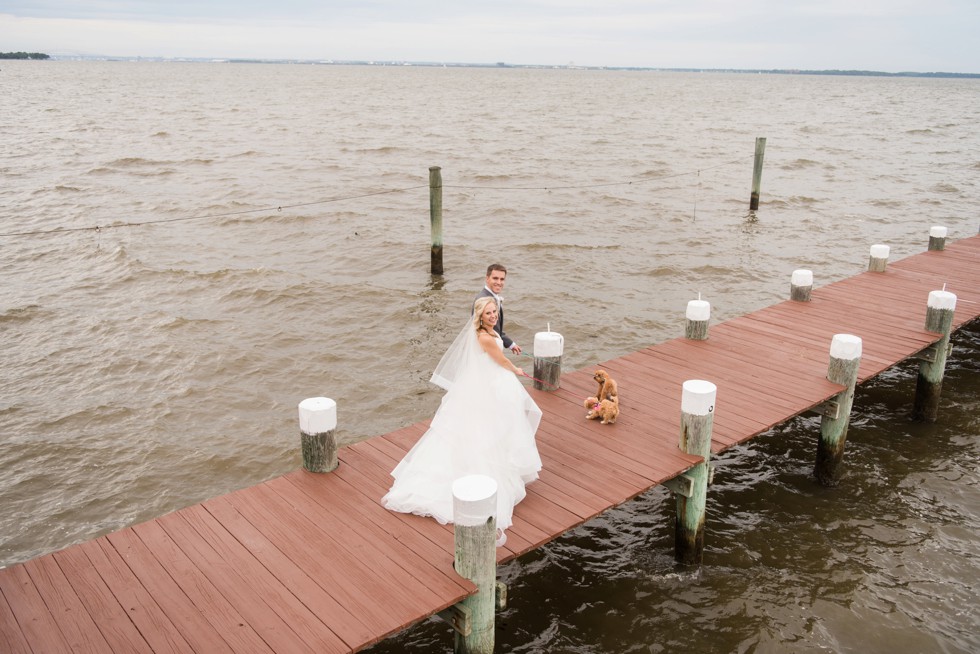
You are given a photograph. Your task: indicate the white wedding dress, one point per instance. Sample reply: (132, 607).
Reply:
(484, 425)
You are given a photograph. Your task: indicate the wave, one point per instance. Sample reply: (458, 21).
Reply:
(383, 149)
(803, 200)
(137, 161)
(22, 314)
(800, 164)
(494, 179)
(176, 323)
(136, 166)
(558, 247)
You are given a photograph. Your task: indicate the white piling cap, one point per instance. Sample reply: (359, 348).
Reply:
(845, 347)
(942, 300)
(879, 251)
(317, 415)
(698, 397)
(474, 500)
(698, 310)
(937, 231)
(548, 344)
(802, 278)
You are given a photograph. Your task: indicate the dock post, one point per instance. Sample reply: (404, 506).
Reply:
(435, 217)
(548, 348)
(698, 313)
(879, 258)
(939, 318)
(845, 358)
(937, 238)
(697, 417)
(760, 151)
(801, 284)
(317, 425)
(475, 529)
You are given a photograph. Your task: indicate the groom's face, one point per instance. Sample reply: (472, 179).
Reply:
(495, 280)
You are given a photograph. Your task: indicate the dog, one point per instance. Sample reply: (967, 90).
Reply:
(605, 411)
(608, 389)
(605, 405)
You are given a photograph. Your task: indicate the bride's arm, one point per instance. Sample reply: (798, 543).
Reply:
(489, 345)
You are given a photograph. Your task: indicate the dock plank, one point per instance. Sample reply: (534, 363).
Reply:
(280, 592)
(162, 634)
(109, 615)
(347, 624)
(78, 627)
(184, 595)
(34, 622)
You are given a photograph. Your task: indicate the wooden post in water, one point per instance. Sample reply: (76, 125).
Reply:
(697, 417)
(475, 529)
(760, 151)
(548, 348)
(939, 318)
(801, 284)
(845, 358)
(435, 217)
(317, 424)
(937, 238)
(698, 313)
(879, 258)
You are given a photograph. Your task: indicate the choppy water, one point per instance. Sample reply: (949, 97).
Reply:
(147, 368)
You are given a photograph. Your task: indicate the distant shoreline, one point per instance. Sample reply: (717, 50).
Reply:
(333, 62)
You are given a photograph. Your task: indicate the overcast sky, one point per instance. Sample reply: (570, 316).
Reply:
(885, 35)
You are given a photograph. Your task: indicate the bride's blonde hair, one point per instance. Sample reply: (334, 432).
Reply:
(478, 308)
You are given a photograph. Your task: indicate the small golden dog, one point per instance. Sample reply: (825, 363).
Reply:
(605, 411)
(605, 406)
(608, 389)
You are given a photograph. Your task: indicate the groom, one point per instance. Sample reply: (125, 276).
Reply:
(496, 276)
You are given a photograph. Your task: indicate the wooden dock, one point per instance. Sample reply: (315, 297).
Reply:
(309, 562)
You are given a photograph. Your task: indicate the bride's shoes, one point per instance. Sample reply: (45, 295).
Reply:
(501, 537)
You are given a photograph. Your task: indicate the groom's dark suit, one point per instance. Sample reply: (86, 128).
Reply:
(499, 327)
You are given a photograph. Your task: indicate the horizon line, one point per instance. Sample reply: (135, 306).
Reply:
(502, 64)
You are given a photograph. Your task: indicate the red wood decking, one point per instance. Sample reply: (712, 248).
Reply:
(311, 562)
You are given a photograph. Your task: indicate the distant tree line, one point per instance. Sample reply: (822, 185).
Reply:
(793, 71)
(875, 73)
(23, 55)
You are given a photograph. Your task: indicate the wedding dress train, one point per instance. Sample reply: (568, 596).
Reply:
(485, 425)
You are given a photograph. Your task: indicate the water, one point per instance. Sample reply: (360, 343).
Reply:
(147, 368)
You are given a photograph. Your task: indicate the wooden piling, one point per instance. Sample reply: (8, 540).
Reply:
(698, 314)
(878, 260)
(317, 426)
(697, 417)
(937, 238)
(548, 349)
(929, 384)
(760, 151)
(845, 358)
(435, 217)
(475, 529)
(801, 285)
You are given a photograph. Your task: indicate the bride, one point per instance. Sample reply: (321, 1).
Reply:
(484, 425)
